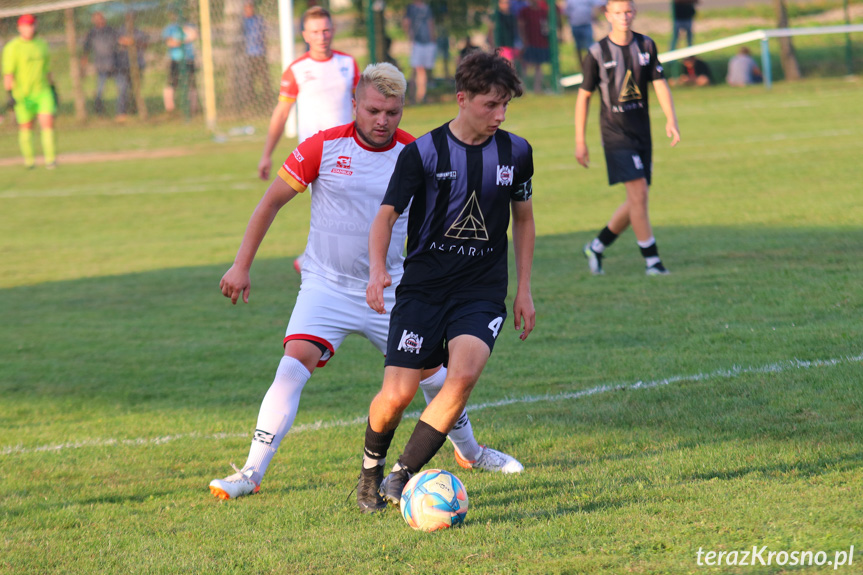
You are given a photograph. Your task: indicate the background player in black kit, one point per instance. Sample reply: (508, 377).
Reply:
(622, 65)
(463, 179)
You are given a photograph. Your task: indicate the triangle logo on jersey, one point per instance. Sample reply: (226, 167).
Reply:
(470, 223)
(630, 89)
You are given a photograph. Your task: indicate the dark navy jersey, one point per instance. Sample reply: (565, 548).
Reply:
(622, 74)
(457, 243)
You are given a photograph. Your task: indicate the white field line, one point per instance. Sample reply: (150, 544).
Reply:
(734, 371)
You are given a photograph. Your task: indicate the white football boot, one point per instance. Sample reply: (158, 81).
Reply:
(236, 485)
(490, 460)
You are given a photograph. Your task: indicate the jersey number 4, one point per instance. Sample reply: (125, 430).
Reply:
(494, 326)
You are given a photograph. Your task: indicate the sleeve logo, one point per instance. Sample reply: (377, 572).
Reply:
(298, 155)
(524, 191)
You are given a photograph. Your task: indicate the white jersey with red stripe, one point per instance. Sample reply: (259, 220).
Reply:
(350, 180)
(322, 89)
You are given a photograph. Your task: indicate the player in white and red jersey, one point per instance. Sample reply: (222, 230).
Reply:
(348, 177)
(350, 166)
(321, 82)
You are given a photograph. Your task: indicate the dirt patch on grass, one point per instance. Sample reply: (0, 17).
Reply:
(94, 157)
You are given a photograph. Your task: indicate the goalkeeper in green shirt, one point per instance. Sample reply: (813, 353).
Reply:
(30, 90)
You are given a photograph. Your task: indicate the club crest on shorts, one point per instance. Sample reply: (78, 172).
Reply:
(410, 342)
(504, 175)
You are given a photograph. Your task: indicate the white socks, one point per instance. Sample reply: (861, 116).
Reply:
(597, 246)
(649, 260)
(278, 410)
(462, 433)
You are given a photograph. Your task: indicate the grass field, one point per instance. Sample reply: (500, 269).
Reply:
(716, 409)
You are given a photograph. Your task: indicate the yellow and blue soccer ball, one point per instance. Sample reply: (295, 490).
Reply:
(434, 499)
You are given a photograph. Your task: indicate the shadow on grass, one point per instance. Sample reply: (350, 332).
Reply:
(166, 339)
(796, 469)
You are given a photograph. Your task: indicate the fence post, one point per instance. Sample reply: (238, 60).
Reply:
(286, 35)
(849, 56)
(371, 32)
(553, 46)
(74, 66)
(765, 62)
(207, 64)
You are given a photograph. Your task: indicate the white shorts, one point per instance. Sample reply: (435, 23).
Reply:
(326, 315)
(423, 55)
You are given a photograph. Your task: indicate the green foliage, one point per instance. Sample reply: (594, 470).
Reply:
(129, 382)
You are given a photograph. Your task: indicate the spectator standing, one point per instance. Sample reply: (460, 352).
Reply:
(742, 69)
(419, 27)
(503, 31)
(27, 80)
(140, 40)
(683, 12)
(255, 40)
(102, 44)
(468, 49)
(439, 9)
(581, 14)
(179, 38)
(534, 32)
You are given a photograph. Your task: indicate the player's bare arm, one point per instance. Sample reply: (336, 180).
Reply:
(582, 106)
(380, 235)
(274, 134)
(523, 242)
(666, 102)
(236, 281)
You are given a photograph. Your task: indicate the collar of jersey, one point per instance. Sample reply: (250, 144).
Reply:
(313, 59)
(467, 146)
(365, 146)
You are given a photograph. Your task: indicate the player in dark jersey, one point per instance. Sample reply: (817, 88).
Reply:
(462, 180)
(622, 65)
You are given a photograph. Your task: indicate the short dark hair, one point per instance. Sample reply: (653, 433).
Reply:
(480, 73)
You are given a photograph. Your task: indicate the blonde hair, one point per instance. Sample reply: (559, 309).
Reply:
(385, 78)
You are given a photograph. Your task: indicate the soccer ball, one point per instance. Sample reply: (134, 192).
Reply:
(434, 499)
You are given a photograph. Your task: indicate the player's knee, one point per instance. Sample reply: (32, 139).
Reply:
(462, 383)
(396, 399)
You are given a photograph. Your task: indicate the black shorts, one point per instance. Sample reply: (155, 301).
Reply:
(419, 331)
(627, 164)
(174, 73)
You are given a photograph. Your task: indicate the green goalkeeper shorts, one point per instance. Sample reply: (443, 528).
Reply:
(28, 107)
